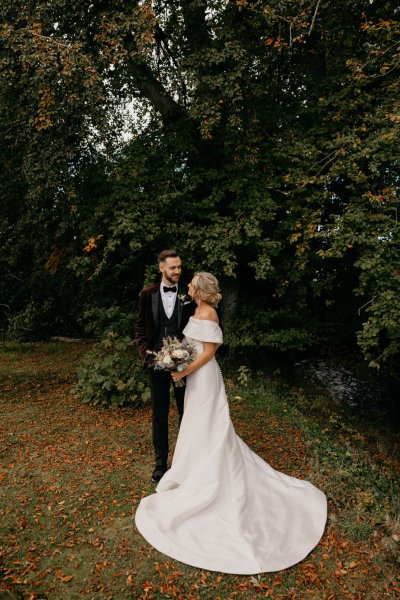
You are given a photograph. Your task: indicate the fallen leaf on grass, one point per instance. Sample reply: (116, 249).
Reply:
(147, 586)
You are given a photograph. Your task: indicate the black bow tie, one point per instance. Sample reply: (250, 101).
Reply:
(169, 289)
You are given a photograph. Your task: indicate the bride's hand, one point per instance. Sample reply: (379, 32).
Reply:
(177, 375)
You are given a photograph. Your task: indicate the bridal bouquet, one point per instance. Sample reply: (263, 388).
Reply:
(173, 356)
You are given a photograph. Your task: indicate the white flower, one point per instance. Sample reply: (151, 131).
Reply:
(174, 354)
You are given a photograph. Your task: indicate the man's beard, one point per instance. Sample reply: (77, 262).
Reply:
(172, 281)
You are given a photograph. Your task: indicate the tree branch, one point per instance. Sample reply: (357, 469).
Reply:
(153, 89)
(314, 16)
(163, 43)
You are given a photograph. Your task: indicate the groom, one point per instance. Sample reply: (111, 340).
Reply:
(163, 310)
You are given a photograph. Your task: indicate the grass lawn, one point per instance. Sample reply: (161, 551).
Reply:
(71, 476)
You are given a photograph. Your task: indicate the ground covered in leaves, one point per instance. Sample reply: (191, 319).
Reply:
(71, 476)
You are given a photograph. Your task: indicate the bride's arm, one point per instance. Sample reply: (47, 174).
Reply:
(207, 354)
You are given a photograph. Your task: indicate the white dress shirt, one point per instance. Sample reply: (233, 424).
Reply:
(168, 299)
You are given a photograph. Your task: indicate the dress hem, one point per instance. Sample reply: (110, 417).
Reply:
(147, 531)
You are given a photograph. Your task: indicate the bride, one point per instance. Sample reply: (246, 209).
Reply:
(221, 507)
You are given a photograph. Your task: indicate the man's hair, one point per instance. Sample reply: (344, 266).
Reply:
(167, 254)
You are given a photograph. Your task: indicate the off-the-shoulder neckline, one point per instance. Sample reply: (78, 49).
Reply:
(209, 320)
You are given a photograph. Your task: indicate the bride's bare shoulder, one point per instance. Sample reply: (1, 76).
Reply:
(207, 313)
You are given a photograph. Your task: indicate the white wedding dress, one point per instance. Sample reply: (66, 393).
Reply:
(220, 506)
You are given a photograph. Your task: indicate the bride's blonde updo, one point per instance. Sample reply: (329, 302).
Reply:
(206, 287)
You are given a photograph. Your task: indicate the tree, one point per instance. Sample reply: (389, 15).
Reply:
(245, 152)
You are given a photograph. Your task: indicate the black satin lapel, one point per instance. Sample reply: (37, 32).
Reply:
(179, 310)
(154, 305)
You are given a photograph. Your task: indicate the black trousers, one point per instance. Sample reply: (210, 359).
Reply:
(160, 383)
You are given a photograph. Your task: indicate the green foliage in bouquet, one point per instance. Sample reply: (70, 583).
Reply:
(111, 374)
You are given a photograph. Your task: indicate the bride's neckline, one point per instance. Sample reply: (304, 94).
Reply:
(209, 320)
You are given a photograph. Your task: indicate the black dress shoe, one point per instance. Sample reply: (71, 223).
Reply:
(158, 473)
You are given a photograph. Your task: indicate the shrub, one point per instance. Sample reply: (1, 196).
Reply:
(30, 323)
(111, 374)
(98, 321)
